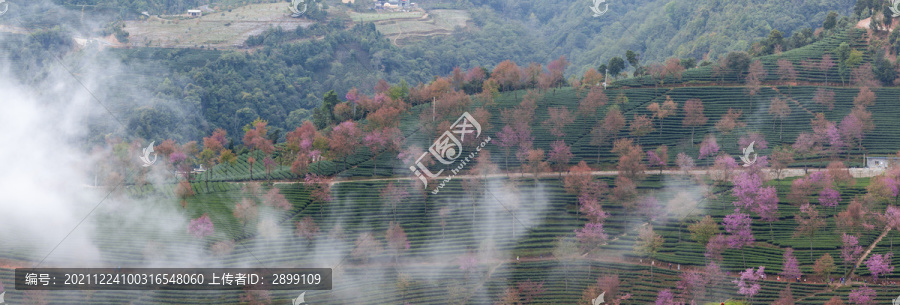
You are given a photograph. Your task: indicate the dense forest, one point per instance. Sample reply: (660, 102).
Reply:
(289, 72)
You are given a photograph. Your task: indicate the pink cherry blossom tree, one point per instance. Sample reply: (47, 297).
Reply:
(724, 167)
(749, 282)
(829, 197)
(560, 117)
(685, 163)
(269, 165)
(806, 146)
(592, 209)
(275, 199)
(345, 138)
(591, 237)
(468, 263)
(746, 187)
(716, 245)
(852, 131)
(880, 264)
(767, 207)
(850, 249)
(201, 227)
(320, 191)
(708, 147)
(863, 296)
(365, 247)
(392, 195)
(737, 225)
(892, 220)
(693, 284)
(791, 267)
(560, 154)
(513, 136)
(649, 207)
(580, 183)
(658, 157)
(375, 141)
(177, 159)
(396, 239)
(758, 140)
(246, 211)
(306, 228)
(808, 223)
(666, 297)
(529, 290)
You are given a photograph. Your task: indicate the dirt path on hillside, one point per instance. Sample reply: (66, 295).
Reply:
(868, 250)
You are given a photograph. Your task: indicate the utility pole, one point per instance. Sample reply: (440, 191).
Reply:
(433, 105)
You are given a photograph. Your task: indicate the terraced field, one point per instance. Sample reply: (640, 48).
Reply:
(512, 223)
(717, 100)
(544, 212)
(404, 27)
(224, 29)
(856, 38)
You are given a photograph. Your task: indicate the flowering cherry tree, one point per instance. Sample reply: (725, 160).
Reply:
(737, 225)
(396, 239)
(880, 264)
(666, 297)
(658, 157)
(748, 284)
(591, 237)
(306, 228)
(274, 198)
(201, 227)
(716, 245)
(392, 195)
(592, 209)
(862, 296)
(708, 147)
(808, 223)
(829, 197)
(320, 190)
(685, 163)
(892, 220)
(767, 207)
(560, 154)
(850, 248)
(560, 117)
(746, 186)
(791, 268)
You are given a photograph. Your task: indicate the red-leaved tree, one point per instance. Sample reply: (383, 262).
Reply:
(693, 115)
